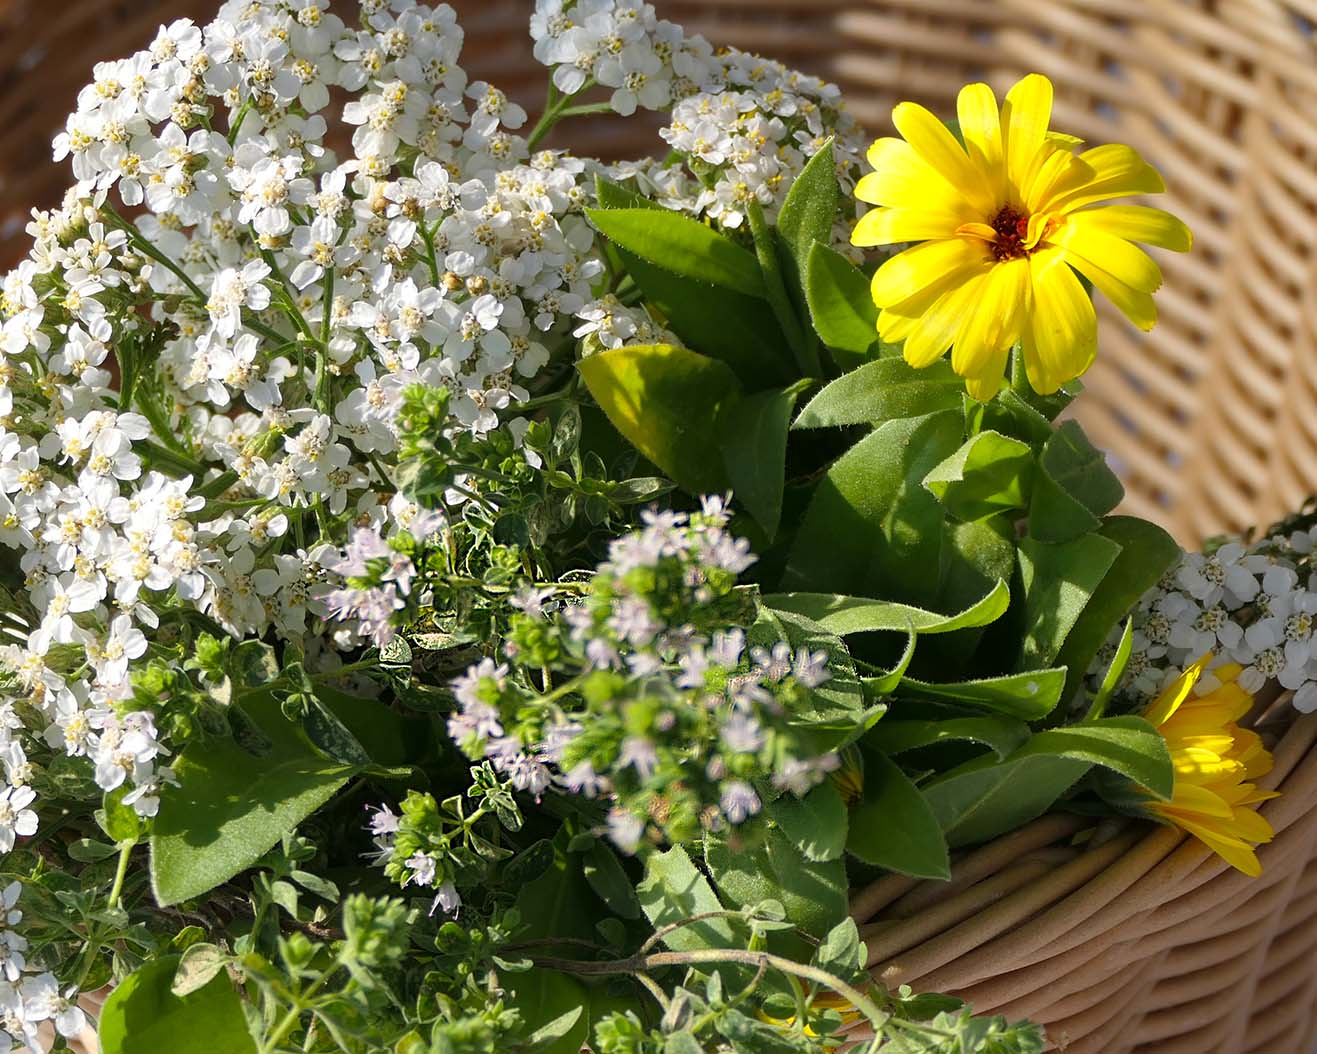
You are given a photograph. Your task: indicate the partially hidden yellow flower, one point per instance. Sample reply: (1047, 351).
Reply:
(1215, 761)
(821, 1001)
(1003, 223)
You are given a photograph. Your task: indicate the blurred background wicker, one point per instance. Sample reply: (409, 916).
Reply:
(1131, 942)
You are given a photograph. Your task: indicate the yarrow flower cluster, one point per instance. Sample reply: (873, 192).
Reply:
(30, 998)
(672, 710)
(749, 139)
(1252, 605)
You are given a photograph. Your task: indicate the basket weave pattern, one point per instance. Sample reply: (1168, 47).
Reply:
(1126, 941)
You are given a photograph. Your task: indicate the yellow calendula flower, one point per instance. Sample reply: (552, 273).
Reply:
(1215, 761)
(822, 1001)
(1003, 223)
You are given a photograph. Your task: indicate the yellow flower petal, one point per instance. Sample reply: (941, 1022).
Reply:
(1125, 261)
(887, 226)
(980, 126)
(1117, 171)
(935, 144)
(1169, 701)
(906, 273)
(1061, 340)
(986, 333)
(1193, 799)
(1025, 116)
(902, 179)
(985, 387)
(936, 329)
(1134, 304)
(1138, 223)
(1235, 851)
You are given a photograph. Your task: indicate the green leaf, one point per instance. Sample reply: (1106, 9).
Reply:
(808, 213)
(197, 967)
(842, 953)
(871, 528)
(893, 827)
(754, 449)
(985, 798)
(884, 684)
(681, 245)
(844, 615)
(990, 473)
(610, 881)
(1145, 552)
(840, 306)
(1003, 735)
(884, 390)
(814, 824)
(1012, 416)
(120, 822)
(1115, 671)
(754, 862)
(142, 1016)
(560, 902)
(730, 327)
(331, 737)
(388, 738)
(1059, 580)
(1128, 745)
(1027, 696)
(666, 400)
(673, 890)
(253, 664)
(727, 326)
(770, 255)
(553, 1005)
(1074, 488)
(229, 808)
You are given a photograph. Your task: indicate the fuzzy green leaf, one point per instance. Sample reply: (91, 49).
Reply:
(666, 400)
(883, 390)
(871, 528)
(754, 449)
(893, 826)
(1003, 735)
(1074, 487)
(990, 473)
(230, 807)
(814, 824)
(673, 890)
(1028, 696)
(142, 1016)
(808, 213)
(682, 246)
(755, 863)
(1059, 579)
(1145, 552)
(840, 306)
(844, 615)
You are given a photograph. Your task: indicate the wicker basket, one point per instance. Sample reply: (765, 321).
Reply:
(1118, 940)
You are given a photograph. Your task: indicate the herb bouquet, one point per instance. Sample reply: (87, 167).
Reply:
(466, 597)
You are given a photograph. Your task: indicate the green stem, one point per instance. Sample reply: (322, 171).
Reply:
(711, 956)
(162, 455)
(327, 308)
(125, 851)
(290, 1019)
(559, 107)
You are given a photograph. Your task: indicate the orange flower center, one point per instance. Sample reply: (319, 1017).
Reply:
(1012, 234)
